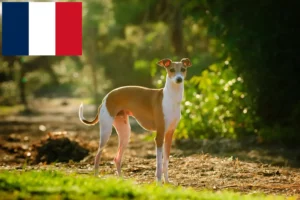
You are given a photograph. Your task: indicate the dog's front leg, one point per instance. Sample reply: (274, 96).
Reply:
(159, 155)
(167, 149)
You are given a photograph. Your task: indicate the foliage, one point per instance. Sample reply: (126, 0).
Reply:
(260, 40)
(8, 93)
(56, 185)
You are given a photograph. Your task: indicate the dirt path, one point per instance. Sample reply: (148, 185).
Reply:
(212, 165)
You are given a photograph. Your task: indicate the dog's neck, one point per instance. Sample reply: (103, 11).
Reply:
(173, 90)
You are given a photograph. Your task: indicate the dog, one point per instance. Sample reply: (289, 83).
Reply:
(154, 109)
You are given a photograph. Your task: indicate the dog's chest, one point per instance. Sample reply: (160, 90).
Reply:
(171, 111)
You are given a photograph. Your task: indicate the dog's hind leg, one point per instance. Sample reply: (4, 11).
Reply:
(122, 126)
(105, 123)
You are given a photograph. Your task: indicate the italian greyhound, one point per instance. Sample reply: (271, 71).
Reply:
(154, 109)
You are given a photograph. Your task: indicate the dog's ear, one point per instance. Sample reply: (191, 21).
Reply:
(165, 62)
(186, 62)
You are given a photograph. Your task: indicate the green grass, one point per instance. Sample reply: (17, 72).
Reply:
(48, 184)
(87, 100)
(8, 110)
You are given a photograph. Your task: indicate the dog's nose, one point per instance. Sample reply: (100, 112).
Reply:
(178, 80)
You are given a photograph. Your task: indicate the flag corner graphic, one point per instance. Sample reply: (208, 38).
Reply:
(42, 28)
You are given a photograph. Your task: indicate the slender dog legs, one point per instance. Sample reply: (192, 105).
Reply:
(167, 149)
(122, 126)
(106, 122)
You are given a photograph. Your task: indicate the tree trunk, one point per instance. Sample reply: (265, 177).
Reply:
(22, 88)
(93, 63)
(176, 32)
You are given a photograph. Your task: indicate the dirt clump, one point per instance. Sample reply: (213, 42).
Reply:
(57, 147)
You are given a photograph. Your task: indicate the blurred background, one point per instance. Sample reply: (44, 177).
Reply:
(244, 80)
(240, 125)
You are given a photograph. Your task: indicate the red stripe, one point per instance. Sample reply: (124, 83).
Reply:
(68, 28)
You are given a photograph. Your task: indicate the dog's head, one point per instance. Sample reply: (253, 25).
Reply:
(176, 70)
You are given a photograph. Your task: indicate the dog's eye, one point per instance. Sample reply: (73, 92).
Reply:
(172, 70)
(183, 69)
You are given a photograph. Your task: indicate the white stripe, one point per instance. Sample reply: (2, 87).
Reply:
(41, 28)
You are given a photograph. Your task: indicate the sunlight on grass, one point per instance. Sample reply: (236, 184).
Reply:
(7, 110)
(56, 185)
(87, 100)
(149, 137)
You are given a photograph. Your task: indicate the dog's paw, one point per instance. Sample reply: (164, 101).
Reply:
(158, 183)
(170, 183)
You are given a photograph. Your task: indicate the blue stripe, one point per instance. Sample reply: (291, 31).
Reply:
(15, 28)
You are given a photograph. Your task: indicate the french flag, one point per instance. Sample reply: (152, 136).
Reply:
(42, 28)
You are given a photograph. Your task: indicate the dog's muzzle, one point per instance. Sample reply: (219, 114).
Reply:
(178, 80)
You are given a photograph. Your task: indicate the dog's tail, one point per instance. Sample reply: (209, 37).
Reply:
(86, 122)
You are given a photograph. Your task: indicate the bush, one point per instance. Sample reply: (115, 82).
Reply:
(216, 104)
(260, 38)
(8, 93)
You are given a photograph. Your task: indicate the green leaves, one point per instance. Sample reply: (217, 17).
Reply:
(216, 105)
(262, 44)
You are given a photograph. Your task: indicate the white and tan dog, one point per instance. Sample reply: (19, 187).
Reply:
(154, 109)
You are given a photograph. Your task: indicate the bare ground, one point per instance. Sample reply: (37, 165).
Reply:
(217, 165)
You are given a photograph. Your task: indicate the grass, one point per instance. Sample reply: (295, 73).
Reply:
(8, 110)
(49, 184)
